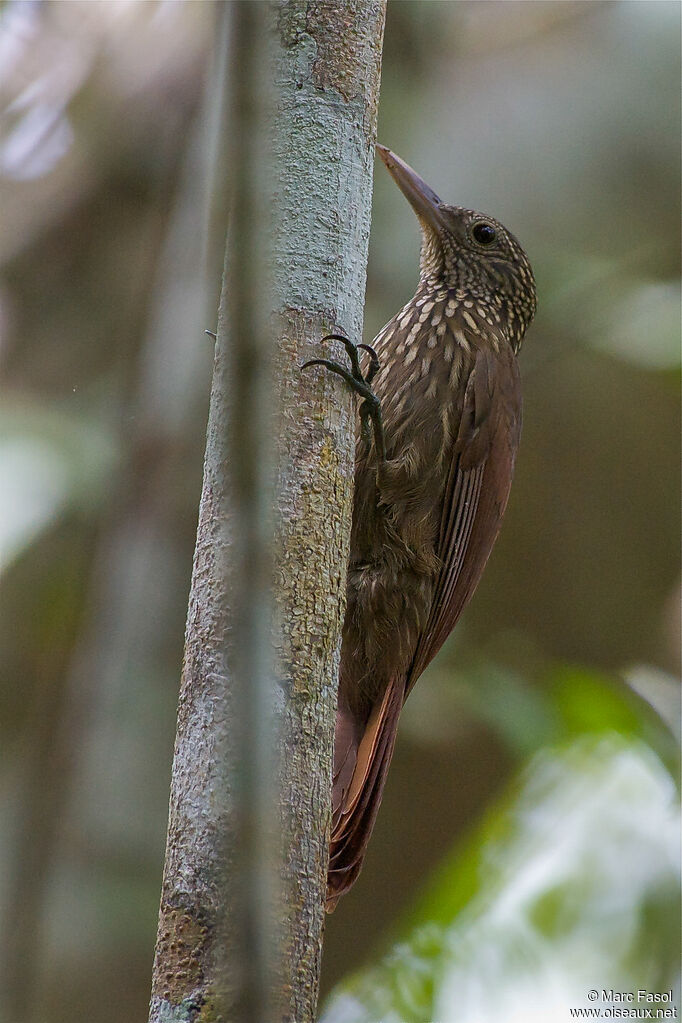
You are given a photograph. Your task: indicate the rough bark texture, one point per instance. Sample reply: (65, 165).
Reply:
(184, 984)
(327, 69)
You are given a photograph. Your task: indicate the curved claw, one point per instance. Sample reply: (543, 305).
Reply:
(370, 408)
(350, 346)
(351, 351)
(337, 337)
(373, 364)
(359, 386)
(322, 362)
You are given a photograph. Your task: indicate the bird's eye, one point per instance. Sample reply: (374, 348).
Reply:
(484, 234)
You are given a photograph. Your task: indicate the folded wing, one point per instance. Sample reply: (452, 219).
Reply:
(474, 501)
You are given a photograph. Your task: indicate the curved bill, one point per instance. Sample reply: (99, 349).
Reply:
(420, 196)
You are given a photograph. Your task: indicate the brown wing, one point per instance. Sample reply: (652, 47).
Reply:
(475, 498)
(475, 495)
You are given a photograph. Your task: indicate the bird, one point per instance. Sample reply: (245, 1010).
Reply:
(440, 421)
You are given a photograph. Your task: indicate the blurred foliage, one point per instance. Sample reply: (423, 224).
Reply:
(571, 882)
(535, 746)
(567, 886)
(48, 461)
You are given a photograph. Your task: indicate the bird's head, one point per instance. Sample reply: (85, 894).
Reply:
(470, 252)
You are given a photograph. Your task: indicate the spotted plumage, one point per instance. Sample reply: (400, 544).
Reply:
(426, 515)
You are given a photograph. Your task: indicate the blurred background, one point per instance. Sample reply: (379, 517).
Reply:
(528, 844)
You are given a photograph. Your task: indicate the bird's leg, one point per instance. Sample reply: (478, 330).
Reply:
(370, 407)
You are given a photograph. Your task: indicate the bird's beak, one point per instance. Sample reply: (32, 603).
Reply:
(420, 196)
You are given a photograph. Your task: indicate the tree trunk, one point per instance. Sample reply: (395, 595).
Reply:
(293, 449)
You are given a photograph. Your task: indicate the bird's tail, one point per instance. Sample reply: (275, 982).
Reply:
(362, 755)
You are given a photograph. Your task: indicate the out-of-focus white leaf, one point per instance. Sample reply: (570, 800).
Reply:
(34, 485)
(572, 884)
(48, 460)
(644, 326)
(36, 142)
(661, 690)
(597, 837)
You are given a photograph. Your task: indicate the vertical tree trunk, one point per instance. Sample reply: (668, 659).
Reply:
(326, 59)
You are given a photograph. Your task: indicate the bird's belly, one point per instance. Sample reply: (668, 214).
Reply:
(386, 611)
(395, 533)
(391, 580)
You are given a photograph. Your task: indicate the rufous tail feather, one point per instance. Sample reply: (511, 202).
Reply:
(361, 761)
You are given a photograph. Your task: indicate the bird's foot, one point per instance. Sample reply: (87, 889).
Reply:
(370, 407)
